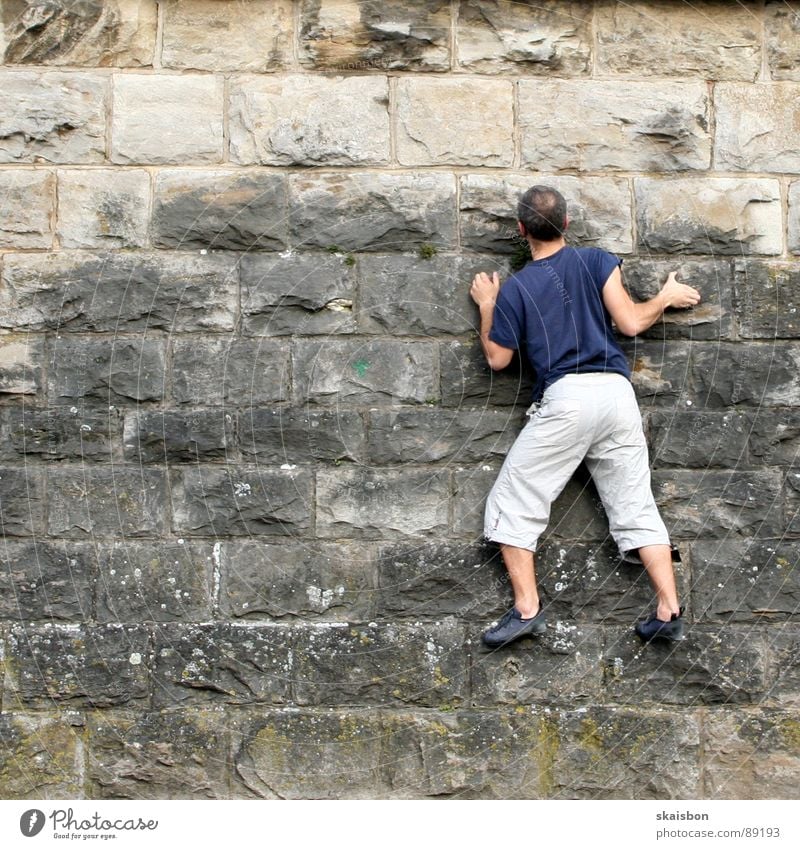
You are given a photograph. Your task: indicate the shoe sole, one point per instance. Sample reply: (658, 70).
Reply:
(536, 631)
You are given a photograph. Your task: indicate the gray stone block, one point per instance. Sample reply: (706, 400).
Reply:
(781, 26)
(21, 360)
(659, 373)
(467, 381)
(698, 439)
(57, 433)
(767, 299)
(783, 646)
(28, 200)
(22, 501)
(774, 436)
(794, 217)
(163, 436)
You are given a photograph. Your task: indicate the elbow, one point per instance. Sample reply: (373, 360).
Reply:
(630, 328)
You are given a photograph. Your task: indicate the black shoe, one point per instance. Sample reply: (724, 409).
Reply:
(660, 629)
(512, 626)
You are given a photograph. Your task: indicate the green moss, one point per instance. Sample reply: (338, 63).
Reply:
(547, 744)
(590, 739)
(350, 260)
(426, 251)
(790, 731)
(334, 249)
(521, 256)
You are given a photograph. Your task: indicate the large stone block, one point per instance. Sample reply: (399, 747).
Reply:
(598, 210)
(296, 581)
(103, 208)
(673, 39)
(767, 299)
(22, 501)
(210, 36)
(298, 293)
(21, 362)
(236, 501)
(371, 503)
(172, 754)
(163, 436)
(467, 381)
(719, 215)
(659, 373)
(106, 501)
(368, 371)
(500, 36)
(698, 439)
(447, 121)
(53, 666)
(119, 291)
(93, 33)
(363, 35)
(640, 126)
(161, 119)
(783, 645)
(52, 116)
(278, 120)
(781, 28)
(774, 436)
(58, 433)
(27, 208)
(382, 211)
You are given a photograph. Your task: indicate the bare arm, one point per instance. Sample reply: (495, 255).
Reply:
(484, 293)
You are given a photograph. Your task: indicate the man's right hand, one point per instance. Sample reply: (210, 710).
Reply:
(675, 294)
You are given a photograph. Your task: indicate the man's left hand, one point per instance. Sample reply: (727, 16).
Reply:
(484, 290)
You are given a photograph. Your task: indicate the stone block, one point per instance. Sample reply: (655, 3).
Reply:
(367, 371)
(381, 211)
(467, 381)
(51, 116)
(222, 210)
(774, 436)
(96, 33)
(791, 503)
(639, 126)
(302, 293)
(154, 581)
(235, 501)
(118, 291)
(718, 215)
(598, 210)
(544, 40)
(767, 299)
(210, 36)
(445, 122)
(794, 217)
(166, 119)
(27, 209)
(671, 39)
(698, 439)
(54, 666)
(306, 581)
(232, 371)
(172, 754)
(370, 503)
(106, 501)
(222, 662)
(21, 360)
(164, 436)
(114, 369)
(103, 208)
(783, 645)
(43, 580)
(278, 120)
(366, 35)
(22, 501)
(382, 663)
(781, 28)
(291, 435)
(659, 373)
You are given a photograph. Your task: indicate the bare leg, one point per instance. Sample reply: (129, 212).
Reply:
(657, 560)
(519, 563)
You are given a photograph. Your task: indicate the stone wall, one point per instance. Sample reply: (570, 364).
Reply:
(247, 430)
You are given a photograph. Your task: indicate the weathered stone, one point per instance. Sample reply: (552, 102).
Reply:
(426, 105)
(27, 209)
(22, 501)
(719, 215)
(373, 503)
(21, 361)
(222, 662)
(77, 665)
(166, 119)
(598, 210)
(278, 120)
(42, 757)
(640, 126)
(363, 35)
(235, 501)
(210, 36)
(109, 369)
(289, 435)
(302, 293)
(467, 380)
(43, 580)
(499, 36)
(784, 664)
(159, 436)
(673, 39)
(774, 436)
(698, 439)
(751, 755)
(791, 501)
(368, 371)
(381, 211)
(52, 117)
(93, 33)
(781, 28)
(767, 299)
(220, 210)
(380, 663)
(103, 208)
(106, 501)
(794, 217)
(172, 754)
(659, 373)
(239, 372)
(285, 580)
(119, 291)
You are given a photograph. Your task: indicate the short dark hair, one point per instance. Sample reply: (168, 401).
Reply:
(543, 212)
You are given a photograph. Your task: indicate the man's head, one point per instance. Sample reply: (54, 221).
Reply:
(542, 214)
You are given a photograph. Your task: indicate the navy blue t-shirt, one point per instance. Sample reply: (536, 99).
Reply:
(555, 307)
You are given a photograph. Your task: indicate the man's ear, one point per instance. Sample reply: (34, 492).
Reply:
(521, 229)
(566, 222)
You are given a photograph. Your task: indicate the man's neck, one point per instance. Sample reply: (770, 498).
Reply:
(541, 250)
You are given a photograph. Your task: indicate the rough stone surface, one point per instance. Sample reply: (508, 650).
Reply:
(21, 358)
(784, 667)
(774, 436)
(159, 436)
(25, 215)
(698, 439)
(639, 126)
(22, 503)
(782, 25)
(468, 382)
(768, 299)
(659, 373)
(794, 217)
